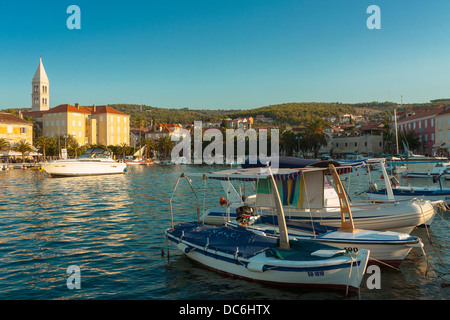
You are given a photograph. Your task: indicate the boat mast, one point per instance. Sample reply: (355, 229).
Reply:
(284, 237)
(346, 226)
(396, 133)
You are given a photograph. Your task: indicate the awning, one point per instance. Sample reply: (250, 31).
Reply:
(7, 153)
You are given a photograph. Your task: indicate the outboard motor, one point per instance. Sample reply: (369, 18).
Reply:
(394, 182)
(373, 186)
(244, 213)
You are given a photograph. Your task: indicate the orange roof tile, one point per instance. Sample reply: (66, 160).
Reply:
(10, 118)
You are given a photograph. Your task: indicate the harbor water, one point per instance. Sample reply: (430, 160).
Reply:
(112, 229)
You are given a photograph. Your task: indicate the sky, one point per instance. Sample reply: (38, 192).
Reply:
(225, 54)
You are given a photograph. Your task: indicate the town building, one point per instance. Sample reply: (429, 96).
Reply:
(88, 125)
(14, 129)
(442, 132)
(422, 122)
(367, 139)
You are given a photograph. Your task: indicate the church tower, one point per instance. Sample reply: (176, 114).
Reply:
(40, 96)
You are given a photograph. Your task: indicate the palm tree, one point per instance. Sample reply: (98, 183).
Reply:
(23, 147)
(42, 143)
(140, 123)
(4, 144)
(164, 145)
(150, 145)
(123, 149)
(314, 137)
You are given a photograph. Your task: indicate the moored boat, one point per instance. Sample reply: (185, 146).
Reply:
(277, 260)
(94, 161)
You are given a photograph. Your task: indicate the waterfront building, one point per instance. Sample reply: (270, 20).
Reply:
(442, 132)
(367, 139)
(423, 123)
(87, 124)
(14, 129)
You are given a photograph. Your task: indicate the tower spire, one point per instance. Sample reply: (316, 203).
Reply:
(40, 89)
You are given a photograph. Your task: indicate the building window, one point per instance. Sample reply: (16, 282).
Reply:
(356, 144)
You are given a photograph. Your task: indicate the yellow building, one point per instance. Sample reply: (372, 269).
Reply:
(14, 129)
(442, 132)
(88, 125)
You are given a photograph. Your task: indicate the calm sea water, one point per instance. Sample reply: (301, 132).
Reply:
(112, 228)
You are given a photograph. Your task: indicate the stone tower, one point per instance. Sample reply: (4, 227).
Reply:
(40, 97)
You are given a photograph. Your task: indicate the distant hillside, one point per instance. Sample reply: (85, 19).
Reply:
(286, 113)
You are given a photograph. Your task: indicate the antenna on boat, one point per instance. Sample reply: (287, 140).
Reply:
(346, 226)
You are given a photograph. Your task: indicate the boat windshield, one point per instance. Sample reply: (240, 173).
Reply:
(96, 153)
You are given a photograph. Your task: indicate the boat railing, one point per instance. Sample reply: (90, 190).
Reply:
(173, 193)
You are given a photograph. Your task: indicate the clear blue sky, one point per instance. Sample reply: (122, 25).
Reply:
(225, 54)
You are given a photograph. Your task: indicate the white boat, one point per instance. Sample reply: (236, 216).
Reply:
(410, 192)
(386, 247)
(308, 201)
(130, 160)
(275, 260)
(418, 166)
(94, 161)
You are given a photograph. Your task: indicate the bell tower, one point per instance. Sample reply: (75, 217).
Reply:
(40, 97)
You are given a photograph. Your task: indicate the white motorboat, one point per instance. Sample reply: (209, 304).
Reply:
(275, 260)
(418, 166)
(94, 161)
(308, 200)
(386, 247)
(410, 192)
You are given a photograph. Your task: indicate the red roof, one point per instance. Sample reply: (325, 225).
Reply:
(10, 118)
(423, 114)
(89, 110)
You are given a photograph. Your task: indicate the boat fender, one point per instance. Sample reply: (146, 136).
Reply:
(185, 248)
(125, 170)
(223, 201)
(256, 267)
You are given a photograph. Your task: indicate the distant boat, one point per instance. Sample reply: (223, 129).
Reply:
(410, 192)
(94, 161)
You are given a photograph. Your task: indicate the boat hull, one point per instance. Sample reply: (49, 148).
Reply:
(343, 271)
(401, 218)
(385, 247)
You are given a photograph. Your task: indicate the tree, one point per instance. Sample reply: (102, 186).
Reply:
(140, 123)
(123, 149)
(314, 137)
(4, 144)
(42, 142)
(23, 147)
(411, 139)
(164, 145)
(150, 145)
(289, 142)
